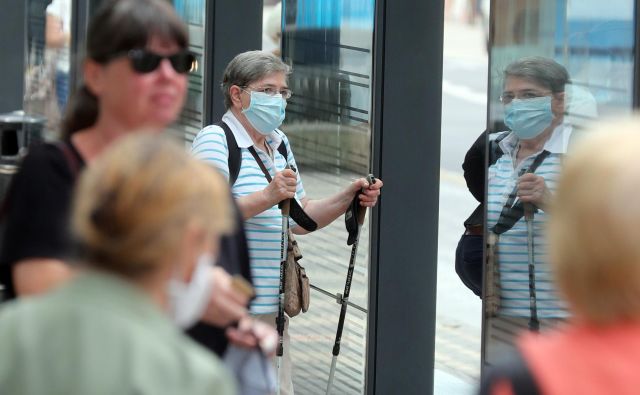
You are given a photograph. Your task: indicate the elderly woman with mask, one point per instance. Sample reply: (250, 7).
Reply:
(595, 257)
(255, 91)
(148, 219)
(520, 185)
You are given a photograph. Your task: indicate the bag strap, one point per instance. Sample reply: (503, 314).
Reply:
(512, 213)
(235, 155)
(259, 162)
(495, 152)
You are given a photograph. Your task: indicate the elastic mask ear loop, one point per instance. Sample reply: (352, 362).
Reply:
(242, 90)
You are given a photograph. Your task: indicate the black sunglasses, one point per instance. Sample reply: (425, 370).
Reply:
(144, 61)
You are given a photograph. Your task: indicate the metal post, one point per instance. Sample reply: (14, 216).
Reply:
(407, 103)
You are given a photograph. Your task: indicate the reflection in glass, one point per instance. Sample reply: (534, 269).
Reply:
(329, 45)
(272, 28)
(190, 120)
(555, 67)
(521, 184)
(48, 59)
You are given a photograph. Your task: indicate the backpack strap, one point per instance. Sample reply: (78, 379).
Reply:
(495, 152)
(235, 155)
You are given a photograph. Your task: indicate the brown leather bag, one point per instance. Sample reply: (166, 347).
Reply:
(296, 284)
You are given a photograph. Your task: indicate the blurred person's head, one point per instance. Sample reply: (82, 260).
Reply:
(593, 231)
(272, 29)
(147, 211)
(124, 79)
(533, 95)
(255, 88)
(581, 107)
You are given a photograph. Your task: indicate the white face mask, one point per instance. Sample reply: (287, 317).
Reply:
(187, 301)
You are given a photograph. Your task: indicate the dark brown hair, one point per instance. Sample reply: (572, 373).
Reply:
(116, 27)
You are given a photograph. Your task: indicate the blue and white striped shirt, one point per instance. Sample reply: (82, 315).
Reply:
(512, 252)
(263, 230)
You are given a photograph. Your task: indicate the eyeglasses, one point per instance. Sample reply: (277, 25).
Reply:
(144, 61)
(271, 91)
(507, 97)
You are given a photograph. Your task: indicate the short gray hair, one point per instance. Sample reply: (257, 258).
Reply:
(248, 67)
(542, 71)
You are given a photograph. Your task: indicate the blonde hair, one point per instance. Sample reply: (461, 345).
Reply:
(133, 204)
(593, 229)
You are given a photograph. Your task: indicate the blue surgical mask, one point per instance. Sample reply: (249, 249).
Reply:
(527, 118)
(265, 112)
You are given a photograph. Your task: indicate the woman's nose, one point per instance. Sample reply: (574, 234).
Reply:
(166, 68)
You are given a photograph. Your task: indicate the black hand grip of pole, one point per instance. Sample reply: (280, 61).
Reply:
(354, 216)
(362, 211)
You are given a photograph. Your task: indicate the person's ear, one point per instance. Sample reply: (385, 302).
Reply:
(93, 76)
(557, 104)
(235, 92)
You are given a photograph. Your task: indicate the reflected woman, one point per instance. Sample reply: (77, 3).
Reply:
(520, 185)
(595, 257)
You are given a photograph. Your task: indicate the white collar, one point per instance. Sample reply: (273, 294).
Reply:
(274, 139)
(557, 143)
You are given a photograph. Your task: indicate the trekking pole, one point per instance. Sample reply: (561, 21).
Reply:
(534, 324)
(344, 299)
(284, 209)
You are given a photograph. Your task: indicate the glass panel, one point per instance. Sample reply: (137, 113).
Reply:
(190, 121)
(464, 114)
(329, 45)
(48, 60)
(591, 41)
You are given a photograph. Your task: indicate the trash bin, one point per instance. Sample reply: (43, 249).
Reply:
(17, 132)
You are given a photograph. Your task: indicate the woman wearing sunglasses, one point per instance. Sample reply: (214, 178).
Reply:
(135, 80)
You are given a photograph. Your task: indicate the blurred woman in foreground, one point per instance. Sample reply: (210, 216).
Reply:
(134, 79)
(147, 218)
(595, 255)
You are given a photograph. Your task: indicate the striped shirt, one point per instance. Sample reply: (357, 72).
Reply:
(512, 249)
(263, 230)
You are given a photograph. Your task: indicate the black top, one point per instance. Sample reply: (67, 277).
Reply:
(37, 209)
(37, 224)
